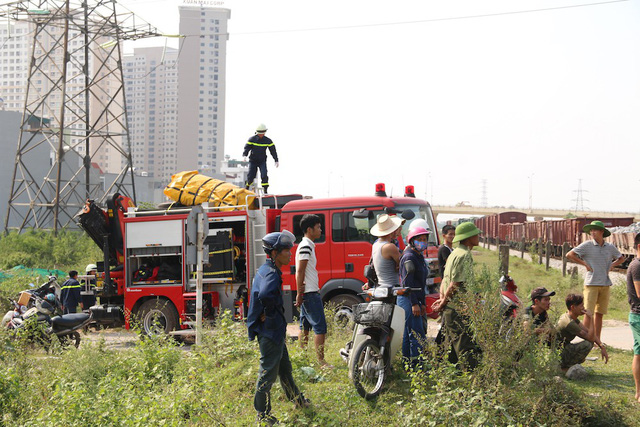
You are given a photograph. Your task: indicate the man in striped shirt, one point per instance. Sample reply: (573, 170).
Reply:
(308, 298)
(598, 257)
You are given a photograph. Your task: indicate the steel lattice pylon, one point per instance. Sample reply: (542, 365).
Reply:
(74, 109)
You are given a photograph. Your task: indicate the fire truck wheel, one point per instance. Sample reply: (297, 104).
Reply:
(344, 313)
(157, 317)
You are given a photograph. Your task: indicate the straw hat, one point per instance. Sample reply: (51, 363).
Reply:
(386, 225)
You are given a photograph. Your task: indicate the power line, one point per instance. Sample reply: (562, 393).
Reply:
(421, 21)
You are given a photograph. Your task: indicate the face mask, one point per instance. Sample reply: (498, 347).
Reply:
(420, 246)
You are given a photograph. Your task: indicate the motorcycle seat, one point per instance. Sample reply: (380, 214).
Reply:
(69, 320)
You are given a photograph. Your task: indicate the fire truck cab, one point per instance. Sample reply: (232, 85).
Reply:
(344, 249)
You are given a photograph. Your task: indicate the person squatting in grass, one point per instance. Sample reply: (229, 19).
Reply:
(267, 322)
(308, 298)
(599, 258)
(458, 331)
(413, 274)
(536, 317)
(633, 294)
(569, 327)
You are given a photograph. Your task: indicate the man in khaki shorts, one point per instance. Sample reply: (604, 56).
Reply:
(599, 257)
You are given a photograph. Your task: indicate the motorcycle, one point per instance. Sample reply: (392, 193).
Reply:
(509, 305)
(377, 337)
(41, 327)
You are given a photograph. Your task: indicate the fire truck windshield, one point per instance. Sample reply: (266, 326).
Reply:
(424, 212)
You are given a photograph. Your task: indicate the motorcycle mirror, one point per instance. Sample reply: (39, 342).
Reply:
(408, 214)
(362, 213)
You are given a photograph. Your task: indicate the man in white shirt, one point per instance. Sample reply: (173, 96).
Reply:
(308, 298)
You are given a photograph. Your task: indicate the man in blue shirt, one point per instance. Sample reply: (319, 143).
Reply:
(267, 322)
(70, 293)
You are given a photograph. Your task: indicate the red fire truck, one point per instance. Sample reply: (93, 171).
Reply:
(144, 274)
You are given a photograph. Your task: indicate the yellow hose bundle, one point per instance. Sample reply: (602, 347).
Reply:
(191, 188)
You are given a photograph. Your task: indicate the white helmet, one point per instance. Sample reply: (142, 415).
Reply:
(262, 128)
(91, 267)
(419, 222)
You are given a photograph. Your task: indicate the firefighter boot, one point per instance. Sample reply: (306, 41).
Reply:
(266, 420)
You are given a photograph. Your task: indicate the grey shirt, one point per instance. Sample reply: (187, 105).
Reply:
(633, 274)
(385, 268)
(600, 259)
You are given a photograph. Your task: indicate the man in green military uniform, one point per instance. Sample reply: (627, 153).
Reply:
(457, 328)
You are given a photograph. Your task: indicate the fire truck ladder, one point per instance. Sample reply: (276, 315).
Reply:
(258, 231)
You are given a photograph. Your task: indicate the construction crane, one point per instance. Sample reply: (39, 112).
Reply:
(74, 108)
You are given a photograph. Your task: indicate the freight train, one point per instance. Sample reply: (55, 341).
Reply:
(513, 229)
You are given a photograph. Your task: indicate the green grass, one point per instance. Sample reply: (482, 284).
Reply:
(157, 382)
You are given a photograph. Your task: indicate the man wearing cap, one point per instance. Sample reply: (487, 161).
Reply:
(456, 273)
(384, 253)
(535, 315)
(599, 257)
(257, 145)
(266, 321)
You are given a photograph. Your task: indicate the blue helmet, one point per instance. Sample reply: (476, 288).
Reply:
(278, 240)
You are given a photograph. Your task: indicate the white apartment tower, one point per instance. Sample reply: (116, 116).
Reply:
(151, 89)
(17, 44)
(201, 83)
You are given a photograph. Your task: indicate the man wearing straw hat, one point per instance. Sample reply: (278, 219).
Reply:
(598, 257)
(385, 254)
(457, 328)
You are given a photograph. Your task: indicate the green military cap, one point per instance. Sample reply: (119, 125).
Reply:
(466, 230)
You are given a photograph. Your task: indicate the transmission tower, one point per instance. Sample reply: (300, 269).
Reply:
(74, 109)
(580, 198)
(483, 200)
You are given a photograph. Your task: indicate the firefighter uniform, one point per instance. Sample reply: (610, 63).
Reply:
(70, 295)
(257, 146)
(266, 298)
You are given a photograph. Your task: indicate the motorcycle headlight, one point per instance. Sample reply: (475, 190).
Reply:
(381, 292)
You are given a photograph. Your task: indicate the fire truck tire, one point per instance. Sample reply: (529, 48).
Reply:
(344, 312)
(157, 317)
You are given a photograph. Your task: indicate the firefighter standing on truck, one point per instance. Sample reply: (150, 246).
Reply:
(257, 145)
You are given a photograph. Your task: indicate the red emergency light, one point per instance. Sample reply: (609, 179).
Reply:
(380, 190)
(409, 191)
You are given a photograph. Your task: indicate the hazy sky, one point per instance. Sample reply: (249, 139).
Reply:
(438, 103)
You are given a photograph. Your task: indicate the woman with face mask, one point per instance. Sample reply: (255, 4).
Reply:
(413, 274)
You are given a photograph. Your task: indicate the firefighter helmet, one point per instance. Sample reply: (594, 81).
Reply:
(262, 128)
(91, 267)
(419, 222)
(278, 240)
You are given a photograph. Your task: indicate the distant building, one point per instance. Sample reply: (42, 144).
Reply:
(235, 171)
(201, 83)
(17, 41)
(151, 89)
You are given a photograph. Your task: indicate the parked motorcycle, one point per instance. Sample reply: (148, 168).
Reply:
(377, 337)
(41, 327)
(509, 305)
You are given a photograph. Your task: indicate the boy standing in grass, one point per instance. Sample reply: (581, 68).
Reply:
(633, 290)
(308, 298)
